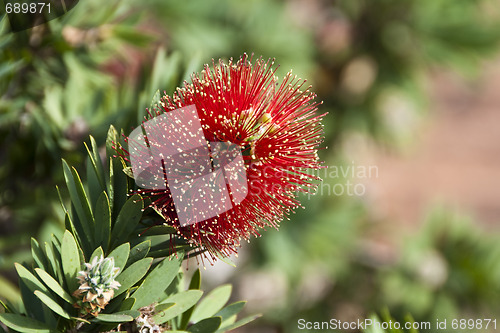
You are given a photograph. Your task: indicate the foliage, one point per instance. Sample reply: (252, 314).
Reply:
(131, 278)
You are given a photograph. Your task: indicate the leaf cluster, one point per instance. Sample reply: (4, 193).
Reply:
(105, 220)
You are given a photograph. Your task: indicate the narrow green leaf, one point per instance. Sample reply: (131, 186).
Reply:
(153, 288)
(111, 140)
(127, 304)
(53, 262)
(54, 285)
(118, 186)
(230, 310)
(97, 253)
(114, 318)
(96, 161)
(168, 250)
(208, 325)
(70, 260)
(55, 241)
(120, 255)
(195, 280)
(79, 233)
(138, 252)
(133, 274)
(38, 255)
(53, 305)
(128, 171)
(96, 180)
(226, 260)
(79, 200)
(29, 279)
(33, 307)
(194, 284)
(127, 220)
(183, 301)
(159, 230)
(103, 221)
(155, 101)
(212, 303)
(24, 324)
(70, 225)
(163, 306)
(5, 307)
(132, 313)
(93, 185)
(239, 323)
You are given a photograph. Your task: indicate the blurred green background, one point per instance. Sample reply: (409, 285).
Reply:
(374, 63)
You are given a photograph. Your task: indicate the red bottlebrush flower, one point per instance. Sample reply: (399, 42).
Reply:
(278, 131)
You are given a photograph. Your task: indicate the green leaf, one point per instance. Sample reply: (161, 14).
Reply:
(226, 260)
(111, 140)
(118, 186)
(32, 305)
(127, 304)
(6, 307)
(163, 306)
(29, 279)
(38, 255)
(194, 284)
(159, 230)
(208, 325)
(54, 285)
(138, 252)
(195, 280)
(95, 159)
(183, 301)
(70, 225)
(114, 318)
(230, 310)
(155, 101)
(93, 186)
(128, 171)
(70, 260)
(54, 263)
(120, 255)
(103, 221)
(53, 305)
(240, 323)
(133, 274)
(212, 303)
(153, 288)
(127, 220)
(24, 324)
(97, 253)
(80, 201)
(132, 313)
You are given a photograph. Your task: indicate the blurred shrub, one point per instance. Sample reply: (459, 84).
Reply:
(368, 60)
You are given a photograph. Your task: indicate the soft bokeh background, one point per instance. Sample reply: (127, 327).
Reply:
(411, 88)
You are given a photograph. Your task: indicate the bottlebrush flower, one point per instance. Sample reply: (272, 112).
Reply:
(278, 130)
